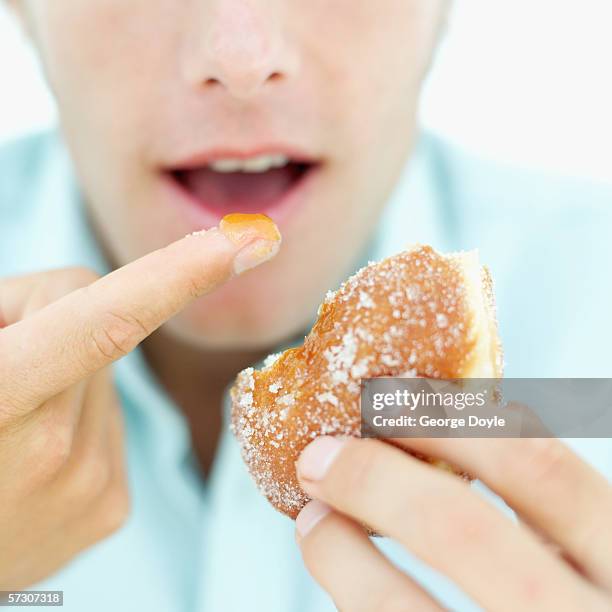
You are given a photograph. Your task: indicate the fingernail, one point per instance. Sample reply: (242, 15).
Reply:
(254, 254)
(310, 515)
(256, 234)
(318, 456)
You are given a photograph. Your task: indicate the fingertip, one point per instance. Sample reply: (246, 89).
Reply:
(253, 238)
(256, 253)
(308, 518)
(317, 458)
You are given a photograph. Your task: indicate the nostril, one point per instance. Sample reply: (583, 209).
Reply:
(245, 85)
(213, 81)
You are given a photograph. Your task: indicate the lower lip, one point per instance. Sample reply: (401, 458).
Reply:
(199, 216)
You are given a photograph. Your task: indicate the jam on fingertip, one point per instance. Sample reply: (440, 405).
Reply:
(239, 227)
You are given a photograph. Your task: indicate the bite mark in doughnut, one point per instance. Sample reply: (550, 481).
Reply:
(419, 313)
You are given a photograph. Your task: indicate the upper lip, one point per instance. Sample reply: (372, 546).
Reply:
(206, 157)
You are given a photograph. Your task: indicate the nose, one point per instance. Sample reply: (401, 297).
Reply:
(238, 45)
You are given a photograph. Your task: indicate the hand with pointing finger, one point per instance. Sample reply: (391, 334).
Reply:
(62, 475)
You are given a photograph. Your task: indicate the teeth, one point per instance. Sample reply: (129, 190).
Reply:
(226, 165)
(261, 163)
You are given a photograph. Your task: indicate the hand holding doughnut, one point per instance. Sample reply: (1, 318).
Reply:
(419, 313)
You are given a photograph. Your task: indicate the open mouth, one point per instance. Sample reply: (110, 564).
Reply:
(253, 184)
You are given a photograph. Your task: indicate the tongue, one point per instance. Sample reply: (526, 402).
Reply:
(240, 191)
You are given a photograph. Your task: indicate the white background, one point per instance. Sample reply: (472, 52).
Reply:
(523, 81)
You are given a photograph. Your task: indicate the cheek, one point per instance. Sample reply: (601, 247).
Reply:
(255, 310)
(98, 57)
(368, 45)
(103, 68)
(376, 55)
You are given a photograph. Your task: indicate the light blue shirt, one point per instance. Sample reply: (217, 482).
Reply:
(219, 546)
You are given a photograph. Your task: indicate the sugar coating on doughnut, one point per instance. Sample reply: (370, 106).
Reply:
(419, 313)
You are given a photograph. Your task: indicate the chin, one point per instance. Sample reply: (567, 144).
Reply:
(264, 335)
(240, 324)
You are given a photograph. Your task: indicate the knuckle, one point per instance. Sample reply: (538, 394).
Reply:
(357, 469)
(196, 287)
(117, 335)
(589, 535)
(79, 276)
(58, 283)
(458, 525)
(313, 546)
(10, 411)
(311, 553)
(114, 509)
(539, 459)
(88, 480)
(394, 601)
(48, 448)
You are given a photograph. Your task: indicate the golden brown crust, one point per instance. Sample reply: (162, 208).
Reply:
(411, 314)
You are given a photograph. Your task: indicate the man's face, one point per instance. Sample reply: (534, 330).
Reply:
(178, 112)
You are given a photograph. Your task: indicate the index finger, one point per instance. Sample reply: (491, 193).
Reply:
(91, 327)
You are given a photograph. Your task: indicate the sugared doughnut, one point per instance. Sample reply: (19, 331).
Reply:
(419, 313)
